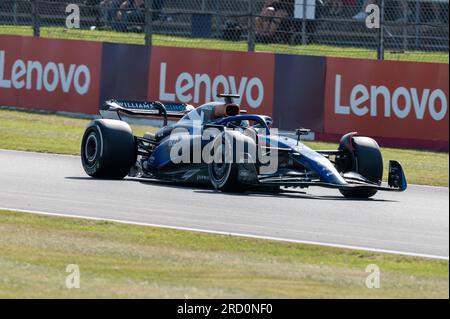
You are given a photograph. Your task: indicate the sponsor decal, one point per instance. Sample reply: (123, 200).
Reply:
(401, 103)
(188, 86)
(50, 74)
(200, 75)
(387, 99)
(137, 105)
(33, 75)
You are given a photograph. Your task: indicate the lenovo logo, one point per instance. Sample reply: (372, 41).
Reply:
(33, 75)
(382, 101)
(202, 88)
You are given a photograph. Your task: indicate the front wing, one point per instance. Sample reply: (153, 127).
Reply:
(396, 181)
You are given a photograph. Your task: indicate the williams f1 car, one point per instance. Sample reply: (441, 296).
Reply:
(219, 144)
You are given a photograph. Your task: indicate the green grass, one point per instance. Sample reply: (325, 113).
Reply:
(127, 261)
(313, 49)
(50, 133)
(45, 132)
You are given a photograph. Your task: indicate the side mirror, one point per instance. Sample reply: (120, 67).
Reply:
(302, 131)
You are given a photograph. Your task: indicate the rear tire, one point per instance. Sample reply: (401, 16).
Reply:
(367, 161)
(108, 149)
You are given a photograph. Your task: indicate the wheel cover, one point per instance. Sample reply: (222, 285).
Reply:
(91, 148)
(220, 170)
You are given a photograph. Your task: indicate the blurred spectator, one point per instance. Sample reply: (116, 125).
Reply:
(108, 9)
(335, 7)
(129, 10)
(94, 10)
(438, 16)
(340, 7)
(307, 21)
(157, 8)
(272, 25)
(404, 11)
(362, 15)
(125, 15)
(232, 30)
(130, 15)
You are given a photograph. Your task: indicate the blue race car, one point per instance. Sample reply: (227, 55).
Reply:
(219, 144)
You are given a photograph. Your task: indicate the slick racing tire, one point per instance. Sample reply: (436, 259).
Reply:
(368, 162)
(108, 149)
(224, 175)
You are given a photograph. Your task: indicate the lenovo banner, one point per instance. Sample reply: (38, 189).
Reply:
(196, 76)
(397, 100)
(49, 74)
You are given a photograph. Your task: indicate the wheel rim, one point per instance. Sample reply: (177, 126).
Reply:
(91, 148)
(221, 169)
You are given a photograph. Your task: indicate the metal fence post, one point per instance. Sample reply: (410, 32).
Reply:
(380, 53)
(404, 30)
(251, 27)
(304, 27)
(35, 18)
(15, 13)
(148, 22)
(417, 23)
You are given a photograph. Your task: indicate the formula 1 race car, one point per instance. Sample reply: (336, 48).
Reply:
(221, 145)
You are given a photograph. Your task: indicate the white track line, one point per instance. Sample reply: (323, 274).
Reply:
(215, 232)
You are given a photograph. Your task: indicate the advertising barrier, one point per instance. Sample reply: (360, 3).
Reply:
(49, 74)
(125, 72)
(401, 104)
(396, 100)
(196, 76)
(299, 92)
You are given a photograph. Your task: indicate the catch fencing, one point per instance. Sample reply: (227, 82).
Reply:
(377, 29)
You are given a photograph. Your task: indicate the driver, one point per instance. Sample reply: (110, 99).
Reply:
(241, 124)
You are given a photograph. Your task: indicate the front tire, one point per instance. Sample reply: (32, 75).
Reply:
(365, 159)
(108, 149)
(224, 176)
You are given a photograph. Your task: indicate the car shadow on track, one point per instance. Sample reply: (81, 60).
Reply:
(284, 193)
(87, 178)
(295, 195)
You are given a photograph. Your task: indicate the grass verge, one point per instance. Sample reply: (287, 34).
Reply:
(37, 132)
(128, 261)
(159, 40)
(45, 132)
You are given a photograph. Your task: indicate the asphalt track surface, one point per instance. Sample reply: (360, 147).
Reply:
(415, 222)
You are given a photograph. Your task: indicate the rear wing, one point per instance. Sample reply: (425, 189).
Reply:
(113, 109)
